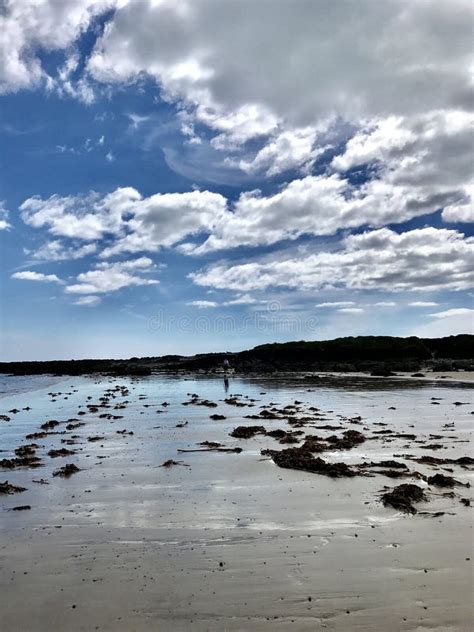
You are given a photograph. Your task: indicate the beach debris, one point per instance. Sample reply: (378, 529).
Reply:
(219, 449)
(234, 401)
(328, 427)
(403, 496)
(8, 488)
(268, 414)
(465, 501)
(427, 459)
(285, 436)
(302, 459)
(26, 450)
(210, 444)
(24, 461)
(403, 435)
(217, 417)
(440, 480)
(349, 439)
(61, 452)
(389, 463)
(197, 401)
(246, 432)
(433, 514)
(49, 425)
(170, 463)
(67, 470)
(74, 425)
(392, 469)
(314, 443)
(5, 418)
(399, 473)
(21, 508)
(95, 438)
(43, 434)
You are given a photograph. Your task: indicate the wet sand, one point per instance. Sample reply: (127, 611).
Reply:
(231, 541)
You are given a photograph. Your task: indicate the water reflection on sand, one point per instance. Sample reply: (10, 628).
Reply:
(230, 541)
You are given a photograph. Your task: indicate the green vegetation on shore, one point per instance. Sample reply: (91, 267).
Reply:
(377, 354)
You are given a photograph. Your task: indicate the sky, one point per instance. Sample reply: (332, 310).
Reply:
(185, 176)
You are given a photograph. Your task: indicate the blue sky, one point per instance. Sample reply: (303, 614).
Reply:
(186, 177)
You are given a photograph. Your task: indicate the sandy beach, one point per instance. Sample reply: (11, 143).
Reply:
(227, 540)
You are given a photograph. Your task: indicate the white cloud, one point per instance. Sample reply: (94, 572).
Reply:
(289, 149)
(351, 310)
(248, 72)
(160, 220)
(65, 84)
(165, 219)
(110, 277)
(29, 275)
(385, 304)
(314, 205)
(336, 304)
(243, 299)
(136, 119)
(456, 311)
(295, 69)
(401, 76)
(88, 217)
(88, 301)
(428, 158)
(202, 304)
(462, 212)
(425, 259)
(136, 223)
(423, 304)
(56, 250)
(30, 26)
(293, 65)
(459, 321)
(4, 225)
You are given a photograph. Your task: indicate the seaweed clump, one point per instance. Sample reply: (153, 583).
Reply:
(302, 459)
(402, 497)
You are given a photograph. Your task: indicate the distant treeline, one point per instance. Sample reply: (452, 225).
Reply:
(361, 353)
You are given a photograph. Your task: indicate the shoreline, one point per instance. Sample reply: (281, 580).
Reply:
(377, 355)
